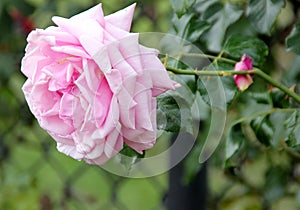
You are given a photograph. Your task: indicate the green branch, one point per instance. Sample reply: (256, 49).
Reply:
(264, 113)
(212, 57)
(277, 84)
(225, 73)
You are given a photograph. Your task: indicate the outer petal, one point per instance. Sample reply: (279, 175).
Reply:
(243, 81)
(122, 19)
(55, 125)
(71, 50)
(102, 102)
(90, 44)
(94, 13)
(69, 150)
(114, 143)
(78, 28)
(158, 74)
(58, 36)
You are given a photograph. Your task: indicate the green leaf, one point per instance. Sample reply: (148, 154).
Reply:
(129, 152)
(280, 131)
(292, 75)
(130, 157)
(261, 97)
(279, 99)
(189, 27)
(276, 180)
(263, 13)
(292, 124)
(293, 41)
(181, 6)
(174, 109)
(220, 16)
(196, 29)
(203, 91)
(181, 24)
(237, 45)
(255, 114)
(168, 108)
(234, 140)
(249, 105)
(263, 129)
(228, 83)
(7, 66)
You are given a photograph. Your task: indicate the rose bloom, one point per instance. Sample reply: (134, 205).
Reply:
(243, 81)
(92, 86)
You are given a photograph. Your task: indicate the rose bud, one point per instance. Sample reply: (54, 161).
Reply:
(243, 81)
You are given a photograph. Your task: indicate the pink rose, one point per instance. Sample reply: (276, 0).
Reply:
(92, 87)
(243, 81)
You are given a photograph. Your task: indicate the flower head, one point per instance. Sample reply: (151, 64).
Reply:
(92, 86)
(243, 81)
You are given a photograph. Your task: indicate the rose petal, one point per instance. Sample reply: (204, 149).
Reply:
(77, 28)
(243, 81)
(94, 13)
(69, 150)
(71, 50)
(113, 143)
(125, 15)
(102, 102)
(91, 45)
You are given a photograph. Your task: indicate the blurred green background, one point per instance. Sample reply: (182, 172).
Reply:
(34, 175)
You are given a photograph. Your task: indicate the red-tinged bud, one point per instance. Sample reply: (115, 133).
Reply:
(27, 25)
(243, 81)
(23, 24)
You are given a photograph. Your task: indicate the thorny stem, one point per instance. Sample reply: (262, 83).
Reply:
(224, 73)
(212, 57)
(264, 113)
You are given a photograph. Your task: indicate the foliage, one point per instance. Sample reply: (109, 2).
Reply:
(237, 45)
(256, 164)
(292, 41)
(33, 175)
(263, 119)
(262, 14)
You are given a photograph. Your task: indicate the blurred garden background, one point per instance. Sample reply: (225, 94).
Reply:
(35, 176)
